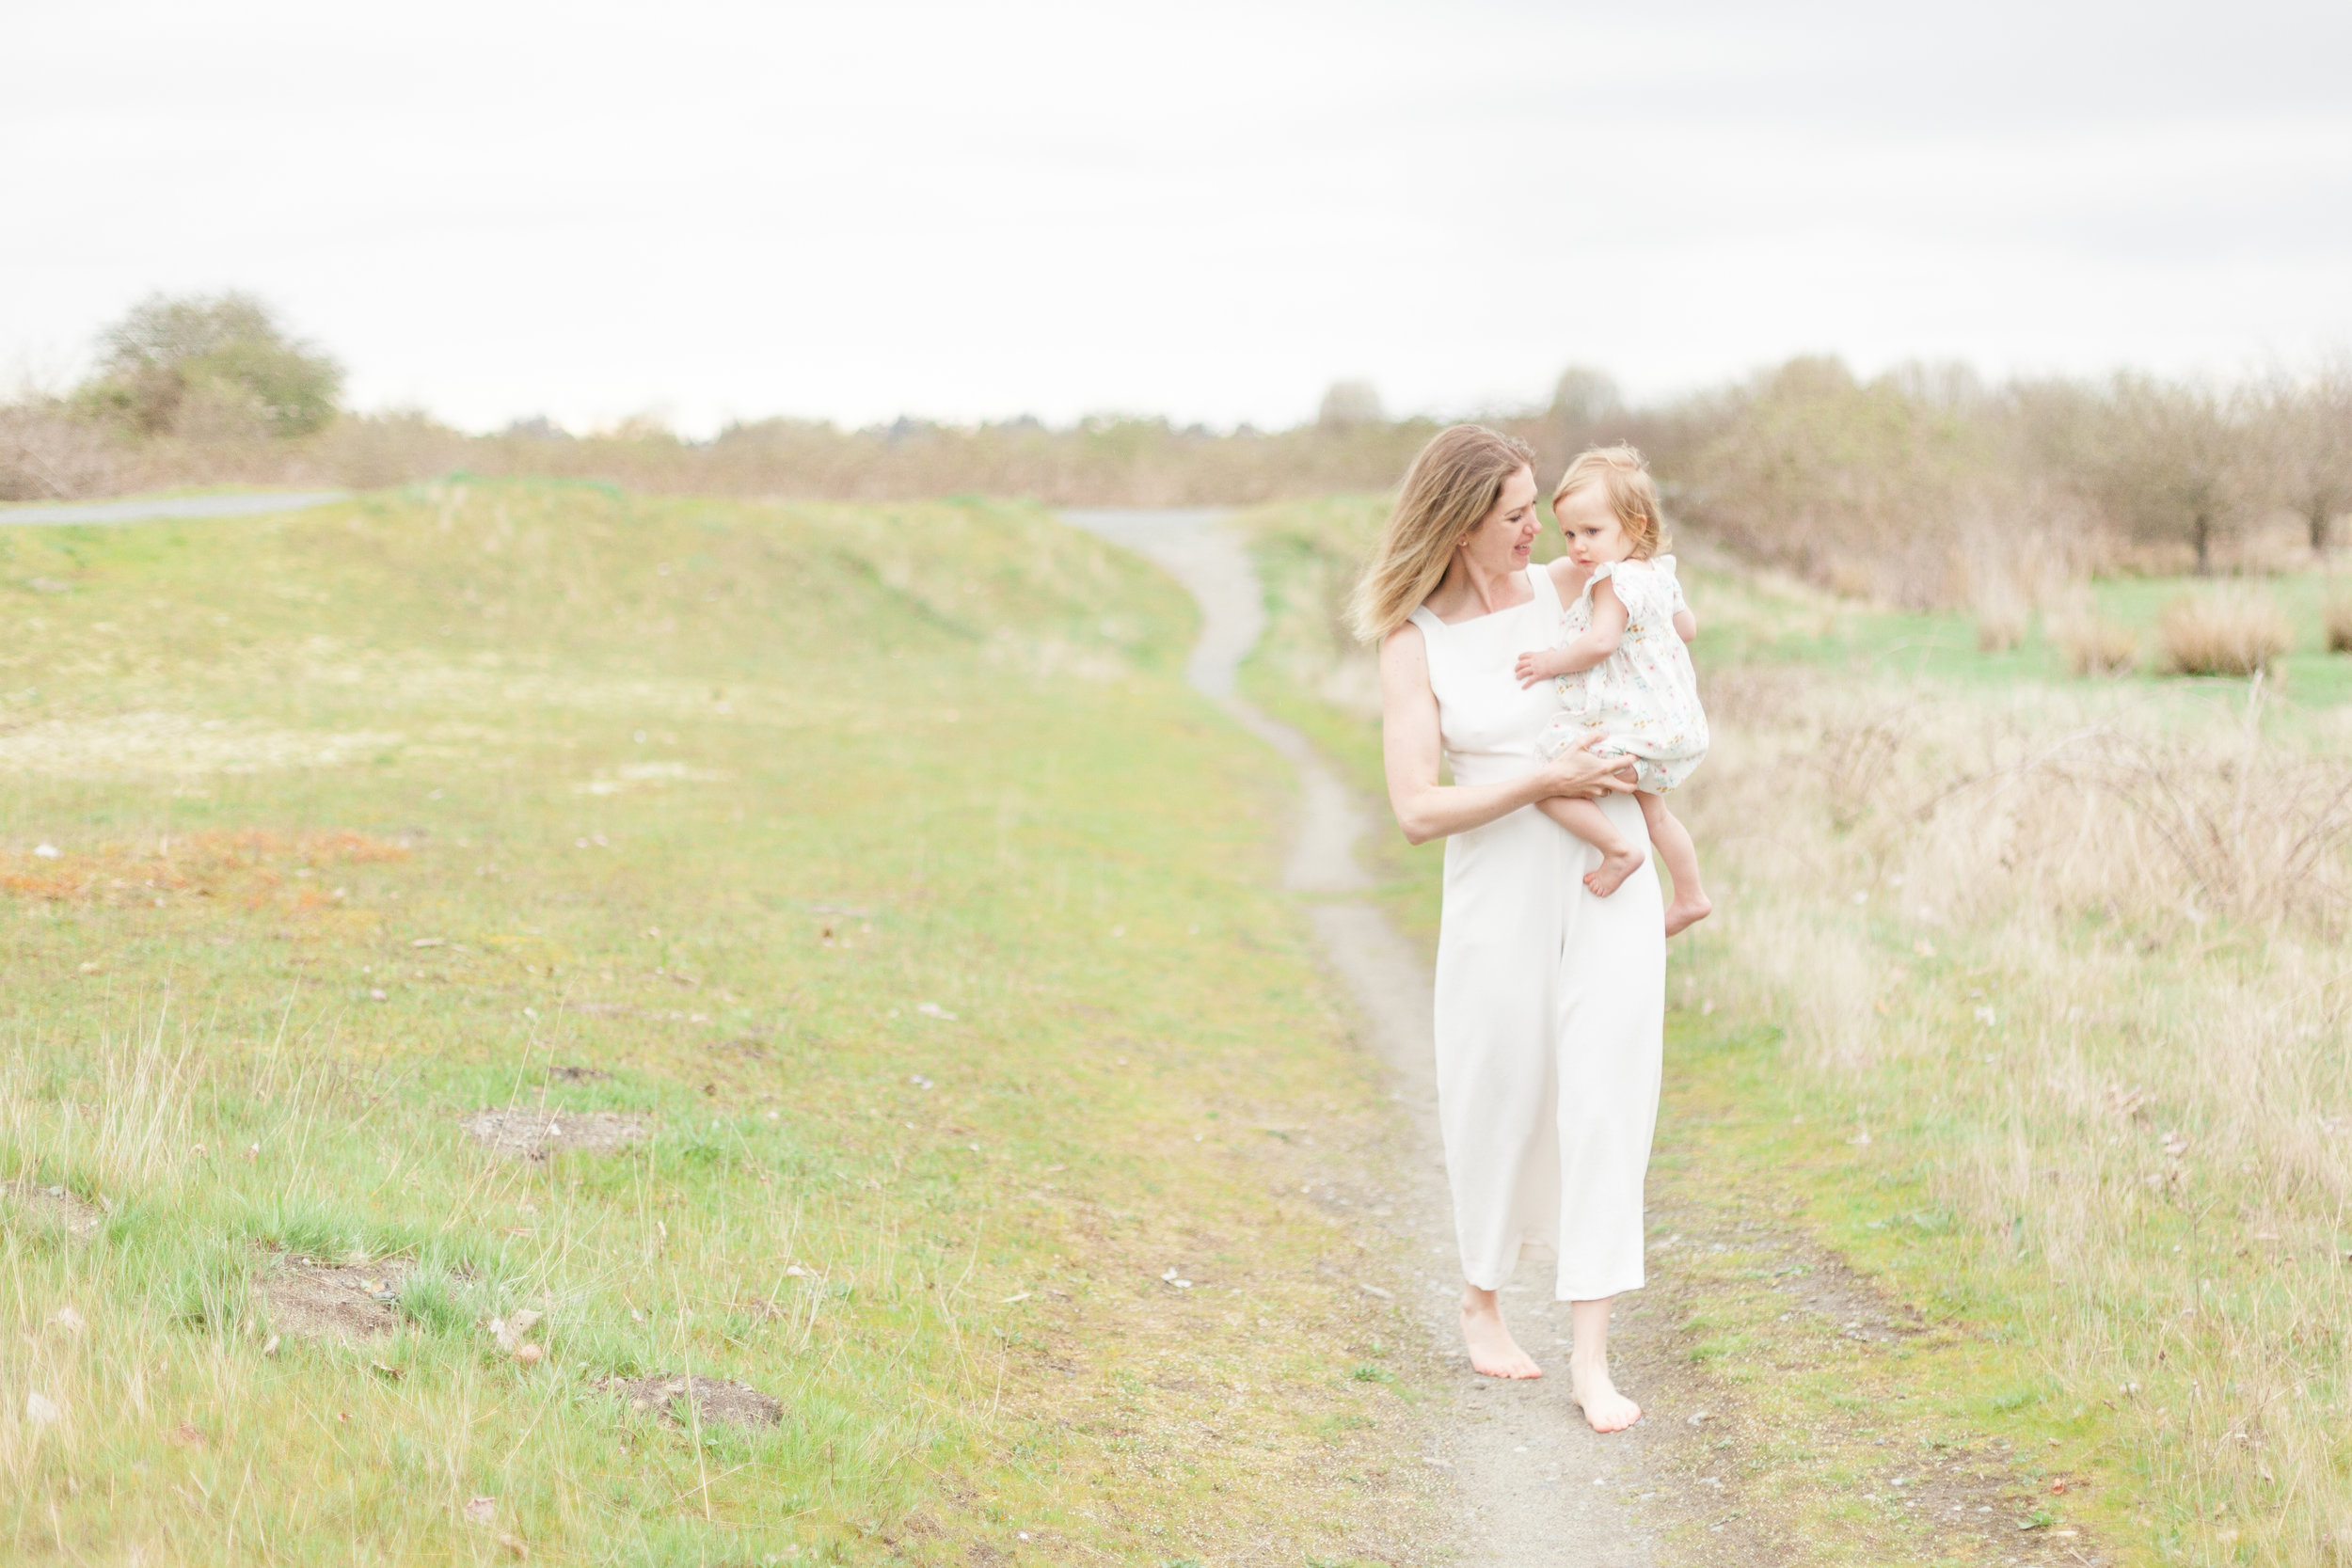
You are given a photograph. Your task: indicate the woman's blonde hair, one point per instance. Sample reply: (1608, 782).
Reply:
(1448, 491)
(1623, 473)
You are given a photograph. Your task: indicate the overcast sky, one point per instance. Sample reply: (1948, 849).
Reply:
(721, 211)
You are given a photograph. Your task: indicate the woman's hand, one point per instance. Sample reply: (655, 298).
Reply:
(1543, 664)
(1578, 774)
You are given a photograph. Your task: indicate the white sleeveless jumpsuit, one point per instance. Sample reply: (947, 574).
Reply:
(1551, 1003)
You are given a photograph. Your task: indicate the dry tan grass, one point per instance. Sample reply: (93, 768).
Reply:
(2077, 955)
(2336, 619)
(2001, 625)
(2228, 631)
(2095, 646)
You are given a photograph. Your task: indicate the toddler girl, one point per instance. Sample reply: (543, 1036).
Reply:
(1621, 667)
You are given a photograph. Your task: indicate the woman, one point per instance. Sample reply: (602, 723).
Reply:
(1551, 1001)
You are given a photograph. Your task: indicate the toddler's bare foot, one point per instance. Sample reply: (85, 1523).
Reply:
(1492, 1351)
(1605, 1409)
(1615, 866)
(1683, 914)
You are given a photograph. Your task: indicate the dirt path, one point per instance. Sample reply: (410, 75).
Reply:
(155, 507)
(1534, 1485)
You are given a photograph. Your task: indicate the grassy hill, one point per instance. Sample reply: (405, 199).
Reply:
(822, 951)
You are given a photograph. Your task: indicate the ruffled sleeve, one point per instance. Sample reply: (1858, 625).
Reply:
(1665, 563)
(1649, 593)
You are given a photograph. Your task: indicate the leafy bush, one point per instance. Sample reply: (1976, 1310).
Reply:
(212, 367)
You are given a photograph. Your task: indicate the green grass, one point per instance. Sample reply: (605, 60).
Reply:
(1755, 622)
(874, 856)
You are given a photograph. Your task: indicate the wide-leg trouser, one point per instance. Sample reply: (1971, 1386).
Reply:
(1550, 1023)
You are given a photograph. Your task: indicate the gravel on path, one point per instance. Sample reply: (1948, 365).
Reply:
(154, 508)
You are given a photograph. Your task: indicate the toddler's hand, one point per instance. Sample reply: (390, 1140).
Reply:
(1535, 666)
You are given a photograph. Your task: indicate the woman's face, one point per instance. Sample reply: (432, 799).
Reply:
(1506, 536)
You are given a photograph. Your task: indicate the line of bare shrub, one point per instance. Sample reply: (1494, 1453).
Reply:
(1923, 487)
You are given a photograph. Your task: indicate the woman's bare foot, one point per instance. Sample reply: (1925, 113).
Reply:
(1492, 1351)
(1605, 1409)
(1615, 866)
(1683, 914)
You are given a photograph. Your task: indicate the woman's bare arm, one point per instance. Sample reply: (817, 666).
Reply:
(1411, 747)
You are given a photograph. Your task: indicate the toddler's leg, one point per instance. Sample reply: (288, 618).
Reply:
(1587, 821)
(1690, 904)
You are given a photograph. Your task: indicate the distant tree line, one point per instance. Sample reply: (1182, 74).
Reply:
(1912, 486)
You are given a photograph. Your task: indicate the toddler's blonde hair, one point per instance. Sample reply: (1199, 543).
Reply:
(1623, 473)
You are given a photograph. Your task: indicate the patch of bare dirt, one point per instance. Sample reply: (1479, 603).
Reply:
(750, 1047)
(341, 1304)
(1827, 1289)
(1971, 1490)
(715, 1401)
(522, 1133)
(55, 1208)
(1965, 1497)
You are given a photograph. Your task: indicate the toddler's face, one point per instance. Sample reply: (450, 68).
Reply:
(1589, 527)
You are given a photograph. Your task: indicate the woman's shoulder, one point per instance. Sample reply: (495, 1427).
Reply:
(1405, 665)
(1407, 639)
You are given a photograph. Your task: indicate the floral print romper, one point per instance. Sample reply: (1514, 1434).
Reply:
(1643, 699)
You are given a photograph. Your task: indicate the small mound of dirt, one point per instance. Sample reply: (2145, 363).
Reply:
(1830, 1289)
(525, 1135)
(48, 1207)
(346, 1305)
(716, 1402)
(754, 1047)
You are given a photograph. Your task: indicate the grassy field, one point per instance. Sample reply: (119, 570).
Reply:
(864, 876)
(2027, 1002)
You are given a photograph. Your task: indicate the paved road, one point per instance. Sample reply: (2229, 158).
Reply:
(1536, 1488)
(157, 507)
